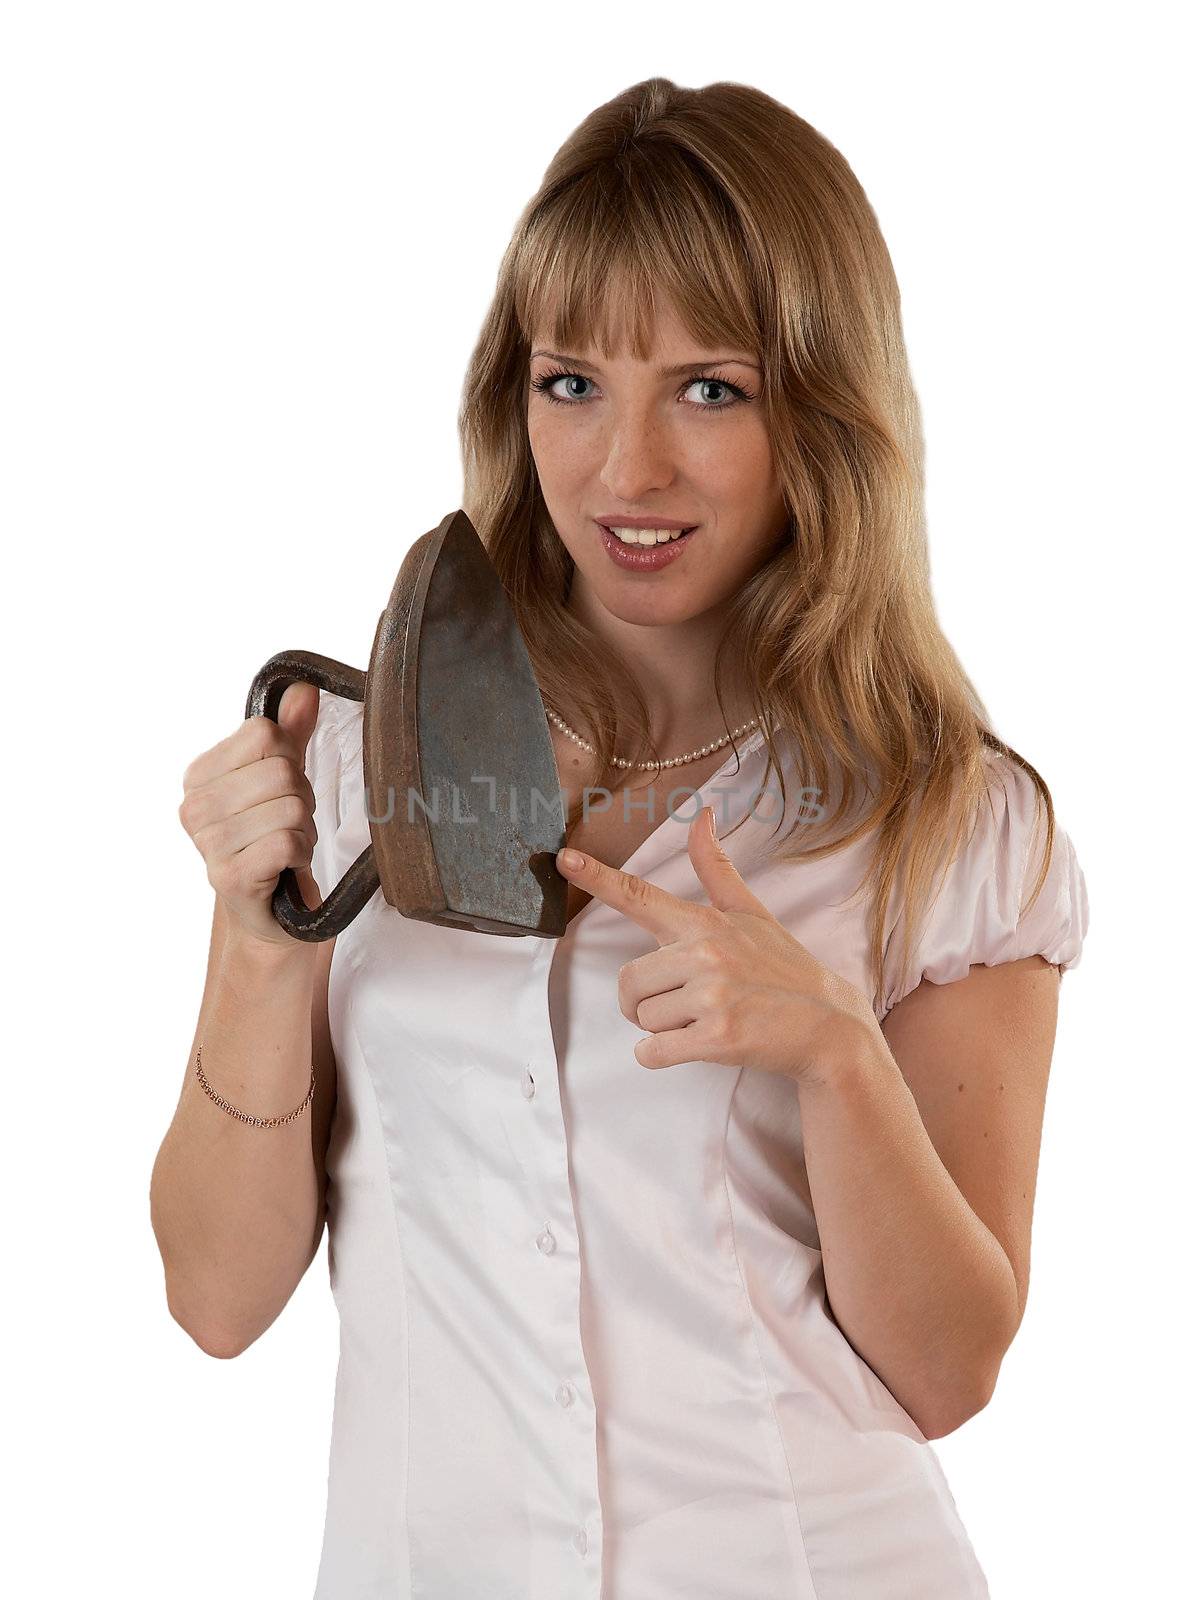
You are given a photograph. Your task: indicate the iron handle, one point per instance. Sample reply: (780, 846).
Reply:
(360, 882)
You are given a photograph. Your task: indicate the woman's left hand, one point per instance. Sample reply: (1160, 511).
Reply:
(727, 983)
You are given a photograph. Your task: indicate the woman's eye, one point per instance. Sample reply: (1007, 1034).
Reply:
(714, 384)
(565, 377)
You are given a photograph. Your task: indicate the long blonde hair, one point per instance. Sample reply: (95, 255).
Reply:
(755, 228)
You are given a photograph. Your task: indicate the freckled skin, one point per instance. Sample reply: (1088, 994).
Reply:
(638, 441)
(633, 441)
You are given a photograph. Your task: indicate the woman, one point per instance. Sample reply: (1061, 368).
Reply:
(663, 1249)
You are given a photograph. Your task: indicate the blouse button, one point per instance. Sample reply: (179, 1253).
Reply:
(581, 1541)
(527, 1085)
(564, 1395)
(545, 1242)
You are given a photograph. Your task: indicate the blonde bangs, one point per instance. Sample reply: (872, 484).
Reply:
(599, 256)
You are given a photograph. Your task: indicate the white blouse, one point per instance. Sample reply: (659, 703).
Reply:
(585, 1349)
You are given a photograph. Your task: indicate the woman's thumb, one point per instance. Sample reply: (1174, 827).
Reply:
(298, 712)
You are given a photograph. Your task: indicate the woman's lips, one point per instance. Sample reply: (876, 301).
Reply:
(643, 557)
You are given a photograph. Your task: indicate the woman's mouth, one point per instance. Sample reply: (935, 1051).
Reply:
(644, 549)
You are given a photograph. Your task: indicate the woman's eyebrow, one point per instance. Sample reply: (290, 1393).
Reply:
(663, 372)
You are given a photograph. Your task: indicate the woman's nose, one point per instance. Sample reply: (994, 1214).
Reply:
(639, 456)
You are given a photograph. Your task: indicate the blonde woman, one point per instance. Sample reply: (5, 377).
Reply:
(661, 1250)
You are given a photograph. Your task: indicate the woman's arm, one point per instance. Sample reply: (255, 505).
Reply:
(922, 1139)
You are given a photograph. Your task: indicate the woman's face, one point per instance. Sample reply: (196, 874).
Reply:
(628, 438)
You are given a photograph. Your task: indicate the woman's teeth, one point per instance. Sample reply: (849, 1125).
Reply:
(648, 535)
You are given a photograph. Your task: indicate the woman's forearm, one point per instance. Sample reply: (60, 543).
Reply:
(918, 1283)
(234, 1206)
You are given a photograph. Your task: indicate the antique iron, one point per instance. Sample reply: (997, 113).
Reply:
(462, 793)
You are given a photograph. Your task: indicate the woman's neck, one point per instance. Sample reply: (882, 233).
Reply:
(674, 667)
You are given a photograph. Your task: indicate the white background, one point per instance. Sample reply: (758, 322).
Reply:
(246, 251)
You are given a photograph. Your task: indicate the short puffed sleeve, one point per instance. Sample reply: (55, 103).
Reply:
(981, 914)
(333, 751)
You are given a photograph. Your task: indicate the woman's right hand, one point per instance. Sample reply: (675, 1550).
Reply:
(248, 807)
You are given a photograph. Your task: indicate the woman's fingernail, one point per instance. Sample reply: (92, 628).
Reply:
(572, 859)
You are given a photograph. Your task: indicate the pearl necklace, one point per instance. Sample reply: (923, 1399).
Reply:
(652, 766)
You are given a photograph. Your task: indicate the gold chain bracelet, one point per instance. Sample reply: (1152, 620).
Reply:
(257, 1122)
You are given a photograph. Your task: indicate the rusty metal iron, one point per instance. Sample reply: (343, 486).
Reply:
(462, 792)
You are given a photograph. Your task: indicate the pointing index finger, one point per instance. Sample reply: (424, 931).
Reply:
(662, 914)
